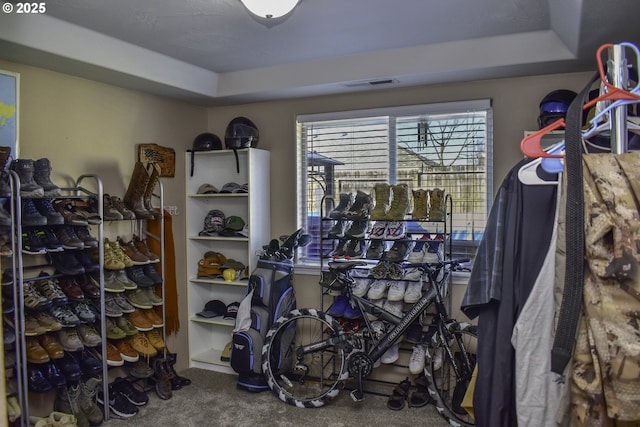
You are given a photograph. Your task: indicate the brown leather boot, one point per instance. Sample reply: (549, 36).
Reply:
(154, 175)
(134, 197)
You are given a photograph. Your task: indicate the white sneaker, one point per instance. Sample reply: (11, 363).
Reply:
(395, 230)
(413, 292)
(391, 355)
(360, 287)
(417, 359)
(377, 328)
(393, 307)
(396, 291)
(377, 289)
(378, 230)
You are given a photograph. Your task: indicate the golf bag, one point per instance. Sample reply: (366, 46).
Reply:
(269, 295)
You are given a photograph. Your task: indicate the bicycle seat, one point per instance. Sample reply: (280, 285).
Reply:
(341, 266)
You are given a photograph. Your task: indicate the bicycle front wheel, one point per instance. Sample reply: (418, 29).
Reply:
(307, 378)
(449, 367)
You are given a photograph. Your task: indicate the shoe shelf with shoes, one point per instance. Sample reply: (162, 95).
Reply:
(388, 227)
(57, 283)
(227, 217)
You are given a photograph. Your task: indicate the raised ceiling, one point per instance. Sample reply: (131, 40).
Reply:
(214, 52)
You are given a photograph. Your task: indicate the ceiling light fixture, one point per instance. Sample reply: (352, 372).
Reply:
(270, 9)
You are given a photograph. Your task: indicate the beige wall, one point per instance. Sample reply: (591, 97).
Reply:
(88, 127)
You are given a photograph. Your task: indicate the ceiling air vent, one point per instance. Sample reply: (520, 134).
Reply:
(371, 83)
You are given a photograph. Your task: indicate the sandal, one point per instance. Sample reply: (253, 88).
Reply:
(421, 397)
(399, 395)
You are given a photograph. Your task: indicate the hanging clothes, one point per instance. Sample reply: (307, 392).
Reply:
(508, 261)
(606, 361)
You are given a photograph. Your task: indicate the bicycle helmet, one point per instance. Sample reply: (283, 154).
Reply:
(554, 105)
(241, 133)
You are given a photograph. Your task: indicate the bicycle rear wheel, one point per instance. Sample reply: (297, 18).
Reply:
(307, 380)
(449, 367)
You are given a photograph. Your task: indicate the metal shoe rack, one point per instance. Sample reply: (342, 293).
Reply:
(415, 229)
(20, 268)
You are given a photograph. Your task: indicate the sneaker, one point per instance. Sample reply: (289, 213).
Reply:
(111, 308)
(141, 344)
(127, 352)
(358, 228)
(134, 395)
(150, 271)
(156, 320)
(46, 209)
(351, 312)
(378, 329)
(65, 316)
(394, 307)
(153, 297)
(125, 281)
(130, 249)
(84, 312)
(50, 289)
(141, 244)
(391, 355)
(396, 230)
(437, 358)
(70, 339)
(113, 331)
(396, 291)
(137, 276)
(414, 333)
(32, 327)
(109, 211)
(155, 339)
(138, 299)
(378, 230)
(399, 251)
(417, 359)
(413, 293)
(360, 286)
(33, 299)
(126, 326)
(31, 243)
(30, 215)
(123, 304)
(140, 321)
(47, 321)
(357, 249)
(341, 248)
(111, 261)
(119, 253)
(338, 307)
(377, 290)
(89, 335)
(83, 234)
(140, 369)
(119, 205)
(49, 239)
(89, 265)
(111, 283)
(375, 250)
(68, 237)
(114, 358)
(118, 404)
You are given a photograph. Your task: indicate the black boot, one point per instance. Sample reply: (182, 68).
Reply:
(177, 382)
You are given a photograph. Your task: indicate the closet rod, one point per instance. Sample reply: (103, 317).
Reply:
(618, 71)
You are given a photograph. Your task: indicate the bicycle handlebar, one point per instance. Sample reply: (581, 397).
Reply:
(435, 265)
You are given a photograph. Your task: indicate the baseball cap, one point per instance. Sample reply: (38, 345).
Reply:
(234, 187)
(213, 308)
(233, 264)
(214, 223)
(234, 226)
(211, 265)
(232, 311)
(207, 189)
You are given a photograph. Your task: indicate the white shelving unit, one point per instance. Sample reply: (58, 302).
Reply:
(208, 337)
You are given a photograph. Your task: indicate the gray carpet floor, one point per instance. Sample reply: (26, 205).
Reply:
(213, 399)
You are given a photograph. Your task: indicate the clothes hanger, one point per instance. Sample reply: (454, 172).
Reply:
(528, 173)
(531, 144)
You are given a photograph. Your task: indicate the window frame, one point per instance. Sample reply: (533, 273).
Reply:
(442, 108)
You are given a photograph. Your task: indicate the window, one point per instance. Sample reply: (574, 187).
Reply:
(445, 145)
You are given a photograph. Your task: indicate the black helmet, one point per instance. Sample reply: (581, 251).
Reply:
(207, 142)
(554, 106)
(241, 133)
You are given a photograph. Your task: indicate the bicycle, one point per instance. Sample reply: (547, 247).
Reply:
(312, 370)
